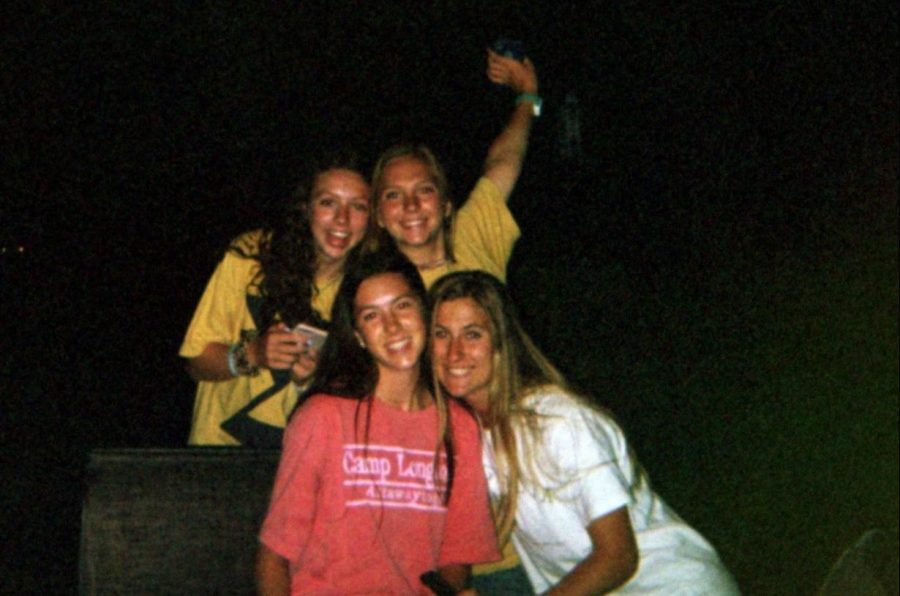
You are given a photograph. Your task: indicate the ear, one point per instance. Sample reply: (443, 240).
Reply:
(378, 221)
(448, 208)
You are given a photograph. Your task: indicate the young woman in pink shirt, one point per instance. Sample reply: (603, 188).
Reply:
(380, 480)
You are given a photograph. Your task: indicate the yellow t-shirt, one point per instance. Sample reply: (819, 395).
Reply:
(220, 317)
(484, 234)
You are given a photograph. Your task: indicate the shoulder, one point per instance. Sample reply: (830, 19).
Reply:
(485, 190)
(550, 400)
(319, 407)
(566, 417)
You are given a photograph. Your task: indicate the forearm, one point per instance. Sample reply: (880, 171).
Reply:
(211, 365)
(272, 574)
(507, 153)
(612, 561)
(596, 574)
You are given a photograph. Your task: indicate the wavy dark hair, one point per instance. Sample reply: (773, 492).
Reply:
(346, 369)
(286, 250)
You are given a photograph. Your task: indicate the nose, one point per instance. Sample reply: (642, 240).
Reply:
(410, 202)
(343, 214)
(455, 349)
(391, 322)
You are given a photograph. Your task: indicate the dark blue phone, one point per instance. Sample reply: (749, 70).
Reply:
(437, 584)
(510, 48)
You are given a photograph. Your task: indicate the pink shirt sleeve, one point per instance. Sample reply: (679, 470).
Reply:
(469, 535)
(292, 509)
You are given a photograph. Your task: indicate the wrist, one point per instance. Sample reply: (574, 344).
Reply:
(533, 99)
(242, 359)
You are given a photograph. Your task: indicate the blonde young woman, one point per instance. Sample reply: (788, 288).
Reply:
(413, 204)
(567, 488)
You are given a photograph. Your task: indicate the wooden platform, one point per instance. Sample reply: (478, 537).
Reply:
(173, 521)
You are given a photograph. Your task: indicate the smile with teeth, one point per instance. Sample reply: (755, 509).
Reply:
(398, 345)
(338, 236)
(457, 372)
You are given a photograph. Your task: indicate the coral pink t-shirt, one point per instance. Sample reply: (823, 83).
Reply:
(358, 513)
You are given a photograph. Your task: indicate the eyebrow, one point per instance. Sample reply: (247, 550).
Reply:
(466, 326)
(362, 307)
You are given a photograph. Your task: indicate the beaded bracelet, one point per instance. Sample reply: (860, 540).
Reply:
(238, 363)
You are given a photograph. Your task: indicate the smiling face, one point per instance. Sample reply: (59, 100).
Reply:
(410, 205)
(463, 352)
(338, 213)
(389, 324)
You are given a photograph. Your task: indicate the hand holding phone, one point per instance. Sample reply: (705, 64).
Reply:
(510, 48)
(437, 584)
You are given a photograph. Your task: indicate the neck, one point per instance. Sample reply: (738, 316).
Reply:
(427, 257)
(402, 391)
(327, 271)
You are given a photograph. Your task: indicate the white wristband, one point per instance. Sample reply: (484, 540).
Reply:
(232, 363)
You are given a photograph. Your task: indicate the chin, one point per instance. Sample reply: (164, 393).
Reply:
(455, 391)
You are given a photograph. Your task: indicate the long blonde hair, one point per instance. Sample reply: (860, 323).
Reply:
(519, 368)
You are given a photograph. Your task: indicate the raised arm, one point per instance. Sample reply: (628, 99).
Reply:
(506, 154)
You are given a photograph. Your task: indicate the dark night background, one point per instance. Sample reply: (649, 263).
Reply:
(715, 258)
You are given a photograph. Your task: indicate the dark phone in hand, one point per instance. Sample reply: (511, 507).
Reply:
(437, 584)
(510, 48)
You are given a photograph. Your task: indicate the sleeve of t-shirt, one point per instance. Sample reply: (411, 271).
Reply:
(590, 450)
(217, 317)
(292, 509)
(469, 535)
(486, 231)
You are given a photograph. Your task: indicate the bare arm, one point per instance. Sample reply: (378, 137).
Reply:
(613, 560)
(272, 574)
(506, 154)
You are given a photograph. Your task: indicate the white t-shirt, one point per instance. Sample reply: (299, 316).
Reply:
(584, 471)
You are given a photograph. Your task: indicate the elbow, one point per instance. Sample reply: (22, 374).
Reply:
(190, 366)
(630, 562)
(623, 565)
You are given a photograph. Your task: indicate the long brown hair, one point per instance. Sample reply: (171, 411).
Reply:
(346, 369)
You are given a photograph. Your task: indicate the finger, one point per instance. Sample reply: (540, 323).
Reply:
(498, 75)
(282, 355)
(278, 328)
(301, 371)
